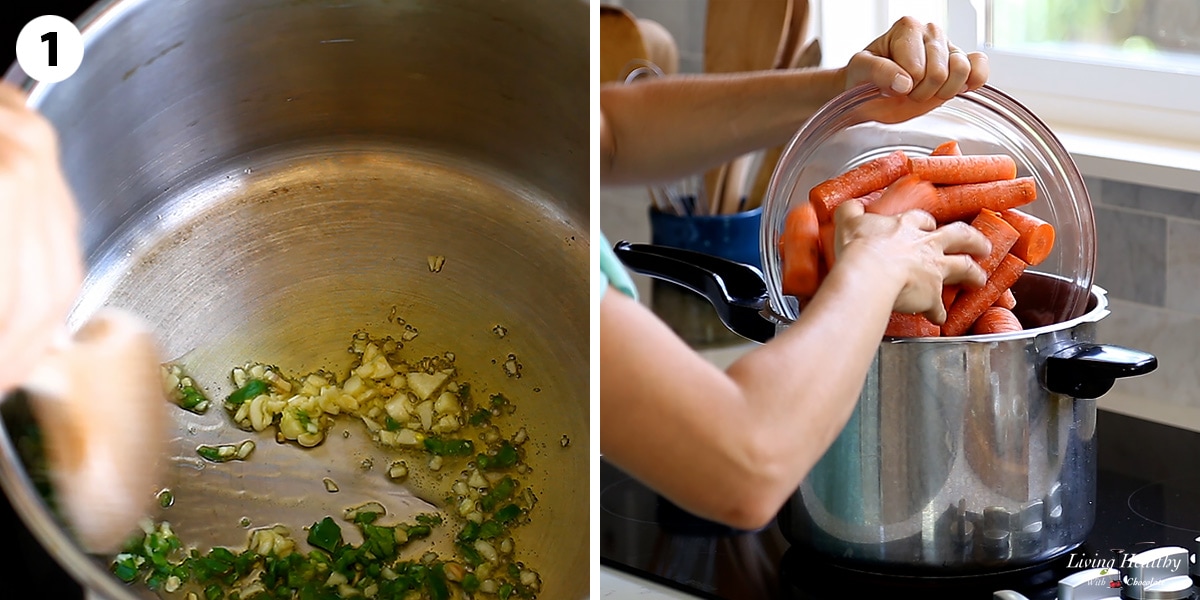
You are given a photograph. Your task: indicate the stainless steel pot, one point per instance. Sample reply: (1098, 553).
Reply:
(261, 179)
(963, 455)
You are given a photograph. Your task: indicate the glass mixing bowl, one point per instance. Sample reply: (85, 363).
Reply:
(858, 126)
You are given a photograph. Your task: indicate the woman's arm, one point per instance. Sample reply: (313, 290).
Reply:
(732, 446)
(670, 127)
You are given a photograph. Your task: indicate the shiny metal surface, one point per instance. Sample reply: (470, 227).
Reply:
(262, 179)
(1091, 584)
(1158, 574)
(956, 459)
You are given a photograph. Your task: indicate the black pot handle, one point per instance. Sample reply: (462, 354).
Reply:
(736, 290)
(1089, 370)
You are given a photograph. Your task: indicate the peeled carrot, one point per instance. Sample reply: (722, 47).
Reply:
(971, 303)
(949, 148)
(1006, 300)
(949, 293)
(907, 193)
(954, 170)
(957, 202)
(863, 179)
(800, 249)
(826, 235)
(1037, 236)
(999, 233)
(906, 325)
(996, 320)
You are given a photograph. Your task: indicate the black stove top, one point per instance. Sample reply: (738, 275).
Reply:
(1148, 496)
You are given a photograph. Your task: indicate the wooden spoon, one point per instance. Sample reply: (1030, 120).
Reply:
(100, 403)
(660, 46)
(797, 35)
(741, 36)
(620, 43)
(809, 56)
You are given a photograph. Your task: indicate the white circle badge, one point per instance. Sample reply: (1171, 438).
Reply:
(49, 48)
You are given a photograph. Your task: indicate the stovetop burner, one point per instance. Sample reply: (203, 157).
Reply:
(1147, 497)
(1170, 504)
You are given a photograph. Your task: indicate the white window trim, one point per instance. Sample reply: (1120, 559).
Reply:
(1144, 129)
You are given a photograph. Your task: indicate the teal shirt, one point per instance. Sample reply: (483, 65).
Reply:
(612, 272)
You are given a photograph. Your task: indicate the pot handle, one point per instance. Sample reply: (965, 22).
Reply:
(1089, 370)
(736, 290)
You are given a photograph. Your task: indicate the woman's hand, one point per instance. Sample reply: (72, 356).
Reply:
(916, 68)
(40, 261)
(912, 251)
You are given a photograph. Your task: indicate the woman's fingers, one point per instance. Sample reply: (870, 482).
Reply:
(919, 219)
(936, 314)
(979, 70)
(962, 269)
(915, 61)
(958, 66)
(960, 238)
(936, 71)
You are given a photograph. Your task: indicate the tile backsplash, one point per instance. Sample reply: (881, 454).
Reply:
(1148, 258)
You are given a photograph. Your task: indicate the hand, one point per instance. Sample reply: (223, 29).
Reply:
(916, 68)
(911, 249)
(40, 261)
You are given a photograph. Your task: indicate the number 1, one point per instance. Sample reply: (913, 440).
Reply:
(52, 37)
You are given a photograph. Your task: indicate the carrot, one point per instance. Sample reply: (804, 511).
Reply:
(971, 303)
(1006, 300)
(957, 202)
(949, 148)
(826, 234)
(1037, 236)
(865, 178)
(953, 170)
(999, 233)
(949, 293)
(996, 320)
(906, 325)
(907, 193)
(800, 250)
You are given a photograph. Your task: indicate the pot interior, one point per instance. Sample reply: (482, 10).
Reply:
(262, 180)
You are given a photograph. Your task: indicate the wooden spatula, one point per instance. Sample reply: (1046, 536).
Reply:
(809, 56)
(741, 36)
(100, 403)
(797, 34)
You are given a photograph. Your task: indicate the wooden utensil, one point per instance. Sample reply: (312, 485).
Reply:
(797, 34)
(100, 403)
(809, 56)
(620, 43)
(660, 46)
(741, 36)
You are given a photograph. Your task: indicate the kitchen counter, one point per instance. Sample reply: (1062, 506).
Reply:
(618, 585)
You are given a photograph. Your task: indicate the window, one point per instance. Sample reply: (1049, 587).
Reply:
(1118, 81)
(1126, 66)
